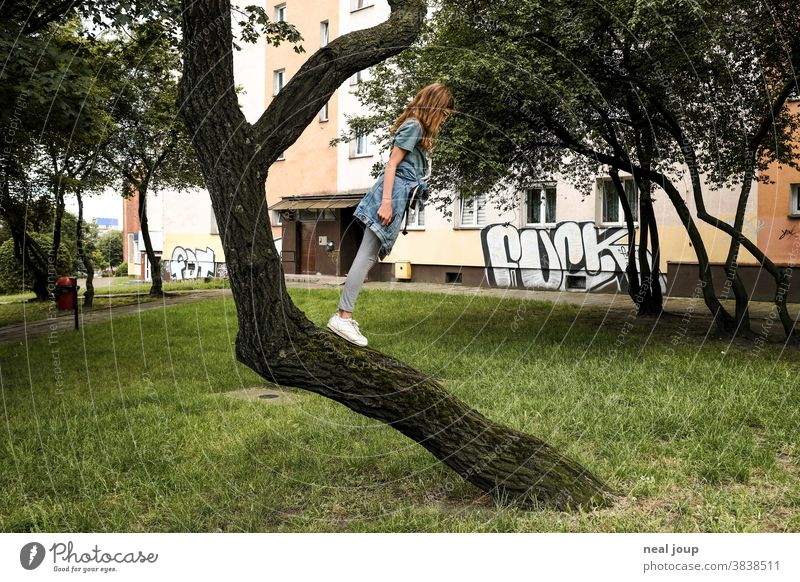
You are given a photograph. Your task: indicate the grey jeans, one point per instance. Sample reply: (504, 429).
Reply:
(365, 257)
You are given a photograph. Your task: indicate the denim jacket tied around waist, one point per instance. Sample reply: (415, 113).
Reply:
(367, 210)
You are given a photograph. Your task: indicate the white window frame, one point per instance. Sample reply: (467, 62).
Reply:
(620, 214)
(477, 203)
(323, 113)
(362, 75)
(280, 12)
(324, 33)
(794, 200)
(281, 157)
(277, 218)
(360, 4)
(541, 187)
(278, 81)
(359, 146)
(414, 216)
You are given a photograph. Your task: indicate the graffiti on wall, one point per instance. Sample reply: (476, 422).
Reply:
(570, 255)
(191, 264)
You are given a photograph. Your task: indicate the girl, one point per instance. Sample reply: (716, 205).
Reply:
(382, 208)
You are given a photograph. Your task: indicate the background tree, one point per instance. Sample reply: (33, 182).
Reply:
(275, 338)
(150, 147)
(108, 253)
(74, 162)
(38, 93)
(14, 278)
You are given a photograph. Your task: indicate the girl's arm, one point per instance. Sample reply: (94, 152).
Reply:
(385, 211)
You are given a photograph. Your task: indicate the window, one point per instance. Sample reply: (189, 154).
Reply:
(280, 13)
(416, 217)
(131, 248)
(277, 218)
(323, 33)
(794, 208)
(323, 114)
(473, 211)
(214, 227)
(281, 157)
(540, 204)
(610, 207)
(359, 146)
(314, 215)
(359, 4)
(362, 75)
(278, 78)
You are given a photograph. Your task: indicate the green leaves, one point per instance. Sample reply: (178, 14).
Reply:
(255, 22)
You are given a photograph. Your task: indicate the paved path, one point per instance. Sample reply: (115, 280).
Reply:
(619, 303)
(613, 301)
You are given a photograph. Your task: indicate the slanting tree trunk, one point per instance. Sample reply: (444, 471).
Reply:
(52, 258)
(652, 295)
(651, 299)
(732, 277)
(152, 259)
(88, 294)
(275, 338)
(720, 315)
(634, 289)
(31, 256)
(26, 250)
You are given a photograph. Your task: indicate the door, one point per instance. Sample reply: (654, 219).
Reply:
(308, 247)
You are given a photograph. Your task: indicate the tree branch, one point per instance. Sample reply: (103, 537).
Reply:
(310, 88)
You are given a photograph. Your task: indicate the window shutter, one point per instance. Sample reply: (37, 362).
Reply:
(480, 202)
(467, 211)
(550, 204)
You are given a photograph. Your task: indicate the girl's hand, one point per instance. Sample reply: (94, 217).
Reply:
(385, 212)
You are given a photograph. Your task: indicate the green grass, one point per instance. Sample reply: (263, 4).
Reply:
(129, 429)
(21, 307)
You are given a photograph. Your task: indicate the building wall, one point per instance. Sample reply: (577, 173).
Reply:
(310, 164)
(779, 235)
(578, 242)
(130, 227)
(354, 173)
(133, 247)
(249, 65)
(192, 245)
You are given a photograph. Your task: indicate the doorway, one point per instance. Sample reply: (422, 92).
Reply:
(308, 246)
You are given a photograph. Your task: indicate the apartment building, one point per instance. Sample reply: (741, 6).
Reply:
(551, 236)
(312, 190)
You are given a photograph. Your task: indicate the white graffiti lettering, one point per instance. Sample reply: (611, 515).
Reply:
(571, 255)
(188, 264)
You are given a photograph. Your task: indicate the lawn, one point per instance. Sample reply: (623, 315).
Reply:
(132, 426)
(21, 307)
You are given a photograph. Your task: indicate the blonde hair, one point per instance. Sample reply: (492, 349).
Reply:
(427, 107)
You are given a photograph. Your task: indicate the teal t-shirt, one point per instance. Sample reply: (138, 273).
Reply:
(408, 137)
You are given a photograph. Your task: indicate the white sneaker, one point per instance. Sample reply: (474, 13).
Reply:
(348, 329)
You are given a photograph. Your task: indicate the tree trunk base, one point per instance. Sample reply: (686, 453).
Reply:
(515, 468)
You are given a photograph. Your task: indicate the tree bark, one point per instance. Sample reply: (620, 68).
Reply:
(88, 294)
(52, 258)
(634, 289)
(653, 297)
(720, 315)
(152, 259)
(26, 250)
(275, 338)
